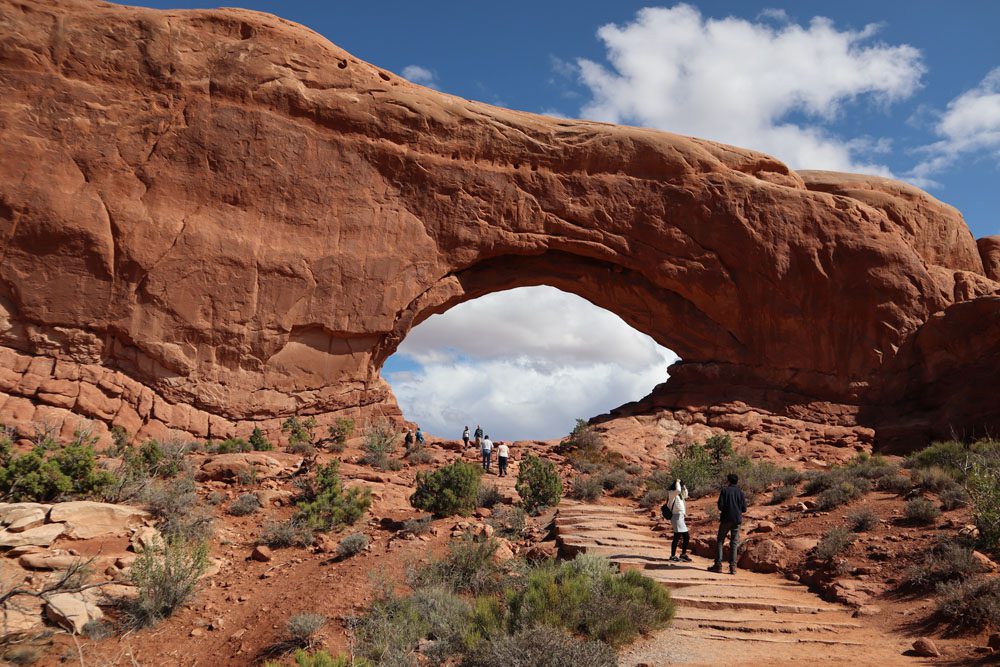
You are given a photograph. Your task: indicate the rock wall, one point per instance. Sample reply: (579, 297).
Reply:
(214, 219)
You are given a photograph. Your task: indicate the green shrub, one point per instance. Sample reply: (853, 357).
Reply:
(158, 459)
(952, 456)
(933, 479)
(281, 534)
(174, 504)
(229, 446)
(833, 543)
(898, 484)
(695, 466)
(452, 489)
(972, 606)
(954, 497)
(301, 434)
(341, 430)
(351, 545)
(653, 498)
(381, 440)
(46, 473)
(783, 493)
(587, 596)
(166, 576)
(327, 504)
(921, 511)
(302, 627)
(542, 647)
(258, 442)
(862, 520)
(983, 486)
(538, 484)
(418, 455)
(946, 562)
(509, 522)
(388, 633)
(467, 568)
(489, 496)
(839, 495)
(417, 526)
(586, 487)
(304, 658)
(447, 616)
(620, 483)
(246, 504)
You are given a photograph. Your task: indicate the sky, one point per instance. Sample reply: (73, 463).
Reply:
(903, 88)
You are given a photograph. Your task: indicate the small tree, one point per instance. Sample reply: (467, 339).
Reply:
(301, 433)
(538, 484)
(258, 442)
(341, 430)
(984, 489)
(720, 447)
(453, 489)
(329, 504)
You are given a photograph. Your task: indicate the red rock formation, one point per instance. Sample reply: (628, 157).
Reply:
(214, 219)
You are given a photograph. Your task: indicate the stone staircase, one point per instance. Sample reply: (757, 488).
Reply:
(749, 618)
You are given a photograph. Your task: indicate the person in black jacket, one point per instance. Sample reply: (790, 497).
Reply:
(732, 504)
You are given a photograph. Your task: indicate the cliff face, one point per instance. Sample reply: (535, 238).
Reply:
(214, 219)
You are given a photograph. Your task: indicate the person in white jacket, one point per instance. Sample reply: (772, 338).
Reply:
(676, 510)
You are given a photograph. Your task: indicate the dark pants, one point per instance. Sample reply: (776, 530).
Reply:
(685, 539)
(502, 463)
(487, 456)
(466, 441)
(733, 529)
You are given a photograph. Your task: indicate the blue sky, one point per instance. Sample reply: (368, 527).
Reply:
(903, 88)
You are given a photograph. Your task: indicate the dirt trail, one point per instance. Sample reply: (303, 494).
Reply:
(724, 619)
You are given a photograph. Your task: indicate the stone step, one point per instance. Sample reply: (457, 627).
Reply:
(775, 624)
(767, 639)
(778, 606)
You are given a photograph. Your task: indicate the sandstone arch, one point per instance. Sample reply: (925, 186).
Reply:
(215, 219)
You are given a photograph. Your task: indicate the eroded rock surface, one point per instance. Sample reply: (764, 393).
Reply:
(210, 220)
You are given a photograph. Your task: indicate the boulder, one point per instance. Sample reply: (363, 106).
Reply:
(48, 561)
(229, 467)
(10, 512)
(763, 556)
(144, 537)
(86, 519)
(503, 553)
(41, 536)
(27, 519)
(261, 554)
(71, 611)
(926, 648)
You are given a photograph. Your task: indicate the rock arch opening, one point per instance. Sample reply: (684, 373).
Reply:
(524, 363)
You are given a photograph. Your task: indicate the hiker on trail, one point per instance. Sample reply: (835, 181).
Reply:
(408, 440)
(465, 436)
(487, 449)
(675, 510)
(420, 437)
(503, 453)
(732, 504)
(479, 435)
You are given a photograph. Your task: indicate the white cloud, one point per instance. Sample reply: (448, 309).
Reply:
(969, 126)
(765, 85)
(525, 364)
(421, 75)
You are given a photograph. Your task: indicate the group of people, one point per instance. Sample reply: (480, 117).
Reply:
(732, 503)
(486, 447)
(413, 438)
